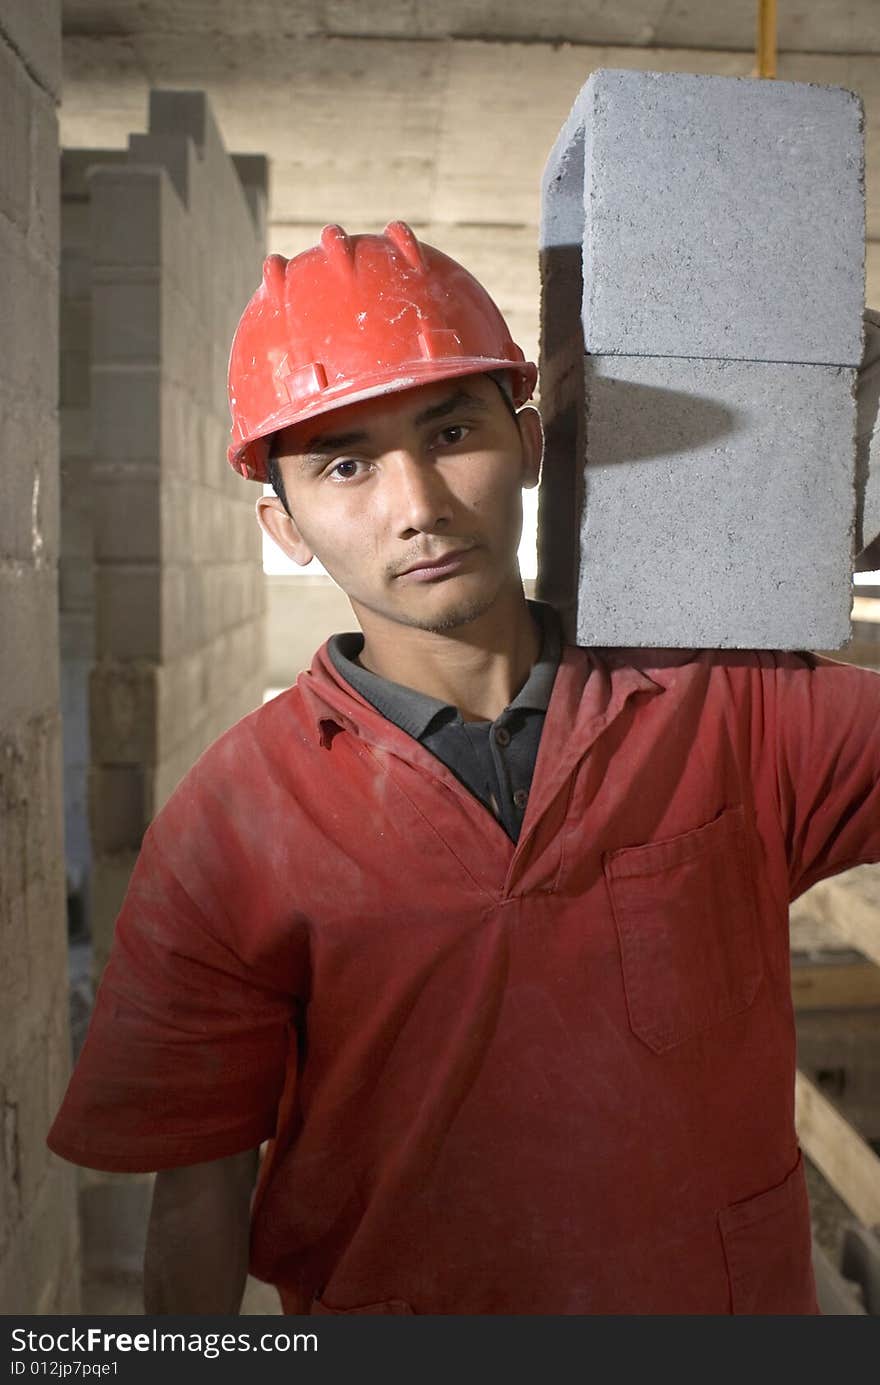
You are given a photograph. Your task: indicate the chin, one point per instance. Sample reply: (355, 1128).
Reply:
(452, 615)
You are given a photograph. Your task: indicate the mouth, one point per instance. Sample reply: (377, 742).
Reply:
(436, 568)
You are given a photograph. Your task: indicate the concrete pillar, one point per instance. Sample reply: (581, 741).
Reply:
(703, 291)
(177, 240)
(38, 1229)
(76, 578)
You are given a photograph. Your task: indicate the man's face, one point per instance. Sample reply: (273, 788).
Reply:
(412, 501)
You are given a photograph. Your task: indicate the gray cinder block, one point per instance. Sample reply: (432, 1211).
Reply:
(702, 302)
(719, 216)
(717, 504)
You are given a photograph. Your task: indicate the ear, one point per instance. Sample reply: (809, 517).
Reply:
(275, 522)
(531, 431)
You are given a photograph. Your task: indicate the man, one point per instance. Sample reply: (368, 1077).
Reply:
(486, 937)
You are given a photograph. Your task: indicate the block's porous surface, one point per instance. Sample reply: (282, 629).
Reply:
(702, 260)
(721, 509)
(721, 216)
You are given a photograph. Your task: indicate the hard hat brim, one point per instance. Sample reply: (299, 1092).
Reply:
(249, 456)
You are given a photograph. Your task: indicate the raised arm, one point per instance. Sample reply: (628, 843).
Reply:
(196, 1257)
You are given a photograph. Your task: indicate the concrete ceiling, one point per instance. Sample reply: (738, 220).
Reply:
(438, 111)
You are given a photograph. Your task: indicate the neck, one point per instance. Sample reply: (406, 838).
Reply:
(478, 667)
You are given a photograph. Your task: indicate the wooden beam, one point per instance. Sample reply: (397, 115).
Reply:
(847, 1161)
(850, 907)
(832, 985)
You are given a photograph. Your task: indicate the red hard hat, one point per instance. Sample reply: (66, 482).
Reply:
(355, 317)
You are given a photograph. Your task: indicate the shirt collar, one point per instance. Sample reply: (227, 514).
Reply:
(413, 711)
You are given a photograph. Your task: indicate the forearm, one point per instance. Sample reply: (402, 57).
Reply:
(196, 1257)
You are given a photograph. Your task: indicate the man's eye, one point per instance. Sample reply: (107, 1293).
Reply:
(455, 433)
(345, 469)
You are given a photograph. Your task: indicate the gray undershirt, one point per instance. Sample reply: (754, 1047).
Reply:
(494, 760)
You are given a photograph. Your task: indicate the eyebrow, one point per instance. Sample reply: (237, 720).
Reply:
(318, 447)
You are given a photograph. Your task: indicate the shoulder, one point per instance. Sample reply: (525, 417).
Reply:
(241, 771)
(742, 676)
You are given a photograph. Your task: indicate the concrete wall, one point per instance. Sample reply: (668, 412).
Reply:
(38, 1231)
(177, 241)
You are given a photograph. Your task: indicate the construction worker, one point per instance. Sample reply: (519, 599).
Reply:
(483, 936)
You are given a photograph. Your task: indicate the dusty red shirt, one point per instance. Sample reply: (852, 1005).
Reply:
(552, 1077)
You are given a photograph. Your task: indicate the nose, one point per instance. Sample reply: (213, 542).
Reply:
(416, 494)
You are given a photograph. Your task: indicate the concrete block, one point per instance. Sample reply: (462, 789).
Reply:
(119, 810)
(178, 637)
(718, 509)
(76, 165)
(253, 174)
(39, 1271)
(77, 635)
(175, 153)
(184, 114)
(28, 439)
(110, 877)
(179, 428)
(128, 618)
(15, 888)
(126, 518)
(77, 504)
(123, 712)
(719, 217)
(29, 631)
(15, 122)
(128, 209)
(45, 202)
(75, 324)
(76, 432)
(74, 378)
(75, 278)
(127, 414)
(178, 516)
(29, 313)
(33, 1118)
(868, 437)
(125, 320)
(180, 329)
(76, 585)
(35, 32)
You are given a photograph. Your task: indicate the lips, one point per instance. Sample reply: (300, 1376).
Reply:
(437, 567)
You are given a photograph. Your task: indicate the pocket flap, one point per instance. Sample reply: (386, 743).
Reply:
(686, 920)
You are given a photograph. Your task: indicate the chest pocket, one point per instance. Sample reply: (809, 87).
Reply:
(686, 921)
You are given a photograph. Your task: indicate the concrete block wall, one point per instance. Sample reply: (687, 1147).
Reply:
(38, 1226)
(702, 300)
(177, 240)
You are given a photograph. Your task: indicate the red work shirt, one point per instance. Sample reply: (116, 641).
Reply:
(553, 1077)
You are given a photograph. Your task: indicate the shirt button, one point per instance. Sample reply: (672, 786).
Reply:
(502, 735)
(521, 798)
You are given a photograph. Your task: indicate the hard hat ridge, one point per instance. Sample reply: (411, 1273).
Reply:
(339, 248)
(403, 238)
(354, 317)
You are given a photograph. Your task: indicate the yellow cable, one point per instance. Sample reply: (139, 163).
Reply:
(766, 53)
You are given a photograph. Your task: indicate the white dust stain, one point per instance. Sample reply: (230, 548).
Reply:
(36, 536)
